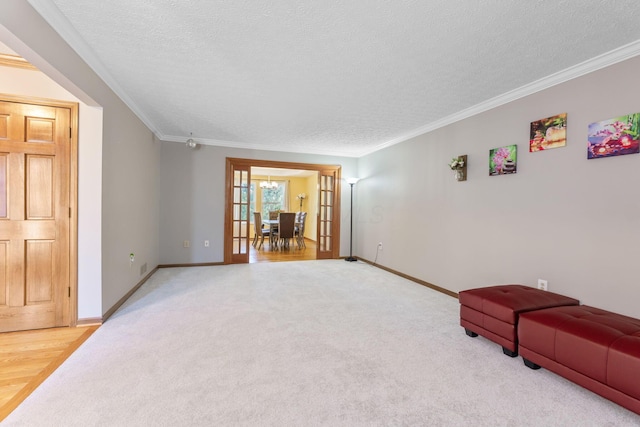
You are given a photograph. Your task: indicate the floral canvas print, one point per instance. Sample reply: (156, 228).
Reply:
(548, 133)
(614, 137)
(503, 160)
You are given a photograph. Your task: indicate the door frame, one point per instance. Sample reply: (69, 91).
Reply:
(233, 162)
(73, 190)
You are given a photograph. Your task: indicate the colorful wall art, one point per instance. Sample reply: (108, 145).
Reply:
(548, 133)
(503, 160)
(614, 137)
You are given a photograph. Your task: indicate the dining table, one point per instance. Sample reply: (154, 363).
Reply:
(273, 225)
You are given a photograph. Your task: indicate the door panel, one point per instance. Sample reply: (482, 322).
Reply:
(237, 243)
(40, 184)
(40, 130)
(4, 126)
(40, 271)
(4, 264)
(328, 222)
(35, 150)
(3, 185)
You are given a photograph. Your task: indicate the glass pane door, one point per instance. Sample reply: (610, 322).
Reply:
(326, 216)
(240, 209)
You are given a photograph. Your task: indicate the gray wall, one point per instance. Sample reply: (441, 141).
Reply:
(130, 159)
(192, 200)
(572, 221)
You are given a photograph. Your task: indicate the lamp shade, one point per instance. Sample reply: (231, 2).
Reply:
(352, 180)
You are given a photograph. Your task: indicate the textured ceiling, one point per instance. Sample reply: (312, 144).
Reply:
(342, 77)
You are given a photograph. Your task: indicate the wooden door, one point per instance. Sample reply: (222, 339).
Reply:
(237, 214)
(328, 216)
(35, 206)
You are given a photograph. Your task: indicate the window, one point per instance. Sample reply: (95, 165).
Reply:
(275, 199)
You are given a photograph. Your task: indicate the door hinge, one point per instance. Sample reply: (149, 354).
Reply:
(70, 133)
(69, 212)
(69, 291)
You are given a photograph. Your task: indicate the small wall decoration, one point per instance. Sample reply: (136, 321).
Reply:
(614, 137)
(459, 166)
(503, 160)
(548, 133)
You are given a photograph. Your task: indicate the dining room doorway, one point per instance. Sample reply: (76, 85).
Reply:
(274, 190)
(240, 198)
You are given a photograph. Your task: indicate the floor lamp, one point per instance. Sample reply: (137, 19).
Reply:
(351, 258)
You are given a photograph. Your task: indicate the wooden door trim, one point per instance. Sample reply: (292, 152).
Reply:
(15, 61)
(73, 191)
(232, 162)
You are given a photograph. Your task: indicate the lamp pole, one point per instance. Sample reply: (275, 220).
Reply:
(351, 258)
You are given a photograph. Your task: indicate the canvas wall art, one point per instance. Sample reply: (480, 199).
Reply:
(548, 133)
(614, 137)
(503, 160)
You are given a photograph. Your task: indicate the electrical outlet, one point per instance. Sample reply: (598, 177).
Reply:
(542, 284)
(186, 244)
(380, 248)
(132, 258)
(143, 268)
(206, 243)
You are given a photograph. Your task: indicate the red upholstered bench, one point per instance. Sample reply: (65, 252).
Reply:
(493, 311)
(594, 348)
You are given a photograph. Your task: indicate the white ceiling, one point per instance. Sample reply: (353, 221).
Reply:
(342, 77)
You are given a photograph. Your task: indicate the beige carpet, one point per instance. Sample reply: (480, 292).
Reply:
(307, 343)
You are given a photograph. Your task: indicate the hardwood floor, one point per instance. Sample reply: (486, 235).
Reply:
(266, 254)
(28, 358)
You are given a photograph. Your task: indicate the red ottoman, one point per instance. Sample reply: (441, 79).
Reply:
(493, 311)
(594, 348)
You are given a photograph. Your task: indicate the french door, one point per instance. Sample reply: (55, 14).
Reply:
(328, 226)
(237, 224)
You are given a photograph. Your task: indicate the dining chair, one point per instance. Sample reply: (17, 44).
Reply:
(286, 228)
(260, 232)
(301, 219)
(273, 216)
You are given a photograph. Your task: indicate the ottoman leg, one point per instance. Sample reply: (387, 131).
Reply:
(530, 364)
(470, 333)
(509, 352)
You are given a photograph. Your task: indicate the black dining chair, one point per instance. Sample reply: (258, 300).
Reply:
(286, 229)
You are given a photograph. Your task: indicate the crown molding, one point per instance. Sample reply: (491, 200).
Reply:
(253, 146)
(594, 64)
(61, 25)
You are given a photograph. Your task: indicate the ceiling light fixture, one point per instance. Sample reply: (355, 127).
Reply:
(191, 143)
(269, 185)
